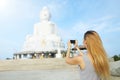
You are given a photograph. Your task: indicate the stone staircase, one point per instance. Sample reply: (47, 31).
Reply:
(34, 64)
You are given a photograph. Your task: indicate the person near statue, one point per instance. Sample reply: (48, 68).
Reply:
(94, 64)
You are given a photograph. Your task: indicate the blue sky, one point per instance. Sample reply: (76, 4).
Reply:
(72, 17)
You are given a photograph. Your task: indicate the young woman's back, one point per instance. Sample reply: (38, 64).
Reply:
(94, 65)
(88, 73)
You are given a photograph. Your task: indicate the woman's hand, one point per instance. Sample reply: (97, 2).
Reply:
(76, 43)
(69, 44)
(77, 47)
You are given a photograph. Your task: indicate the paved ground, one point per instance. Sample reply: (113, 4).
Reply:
(57, 74)
(46, 69)
(40, 75)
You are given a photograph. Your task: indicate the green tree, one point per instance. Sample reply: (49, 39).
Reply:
(116, 57)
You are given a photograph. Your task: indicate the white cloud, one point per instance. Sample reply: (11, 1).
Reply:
(102, 19)
(19, 9)
(22, 9)
(57, 8)
(101, 27)
(74, 32)
(115, 29)
(79, 28)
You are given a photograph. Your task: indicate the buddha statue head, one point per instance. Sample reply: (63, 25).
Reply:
(45, 14)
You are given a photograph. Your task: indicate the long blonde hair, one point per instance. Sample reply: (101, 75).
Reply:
(99, 56)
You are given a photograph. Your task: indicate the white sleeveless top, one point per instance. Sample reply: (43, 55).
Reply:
(89, 72)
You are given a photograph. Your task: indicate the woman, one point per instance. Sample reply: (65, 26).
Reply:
(93, 65)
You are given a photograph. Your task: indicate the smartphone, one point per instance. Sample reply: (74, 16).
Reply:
(72, 41)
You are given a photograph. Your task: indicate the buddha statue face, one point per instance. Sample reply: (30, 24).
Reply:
(45, 14)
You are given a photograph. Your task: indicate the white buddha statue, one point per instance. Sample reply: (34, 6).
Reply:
(47, 26)
(45, 36)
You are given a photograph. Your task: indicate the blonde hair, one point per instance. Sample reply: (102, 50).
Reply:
(99, 56)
